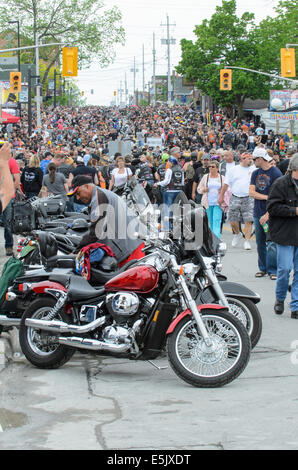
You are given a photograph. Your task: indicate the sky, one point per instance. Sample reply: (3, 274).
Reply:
(142, 18)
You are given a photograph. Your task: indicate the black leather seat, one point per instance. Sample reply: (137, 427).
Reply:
(80, 289)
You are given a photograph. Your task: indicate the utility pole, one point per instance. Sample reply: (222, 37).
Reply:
(126, 91)
(169, 41)
(154, 73)
(134, 70)
(143, 73)
(37, 84)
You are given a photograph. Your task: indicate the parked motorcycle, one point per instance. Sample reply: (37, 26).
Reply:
(133, 316)
(207, 286)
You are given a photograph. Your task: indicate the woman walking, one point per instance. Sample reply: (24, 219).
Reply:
(210, 187)
(54, 182)
(120, 174)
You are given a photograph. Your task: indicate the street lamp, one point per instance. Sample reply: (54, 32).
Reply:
(19, 52)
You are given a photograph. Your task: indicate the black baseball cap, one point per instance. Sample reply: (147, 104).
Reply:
(78, 181)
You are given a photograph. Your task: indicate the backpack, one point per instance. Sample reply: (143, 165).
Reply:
(189, 172)
(11, 270)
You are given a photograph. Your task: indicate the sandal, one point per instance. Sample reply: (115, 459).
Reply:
(260, 274)
(273, 277)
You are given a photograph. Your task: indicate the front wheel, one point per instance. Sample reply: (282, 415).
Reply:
(213, 365)
(41, 348)
(248, 313)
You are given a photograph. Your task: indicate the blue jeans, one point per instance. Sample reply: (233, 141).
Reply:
(6, 219)
(267, 261)
(287, 259)
(168, 200)
(78, 207)
(214, 214)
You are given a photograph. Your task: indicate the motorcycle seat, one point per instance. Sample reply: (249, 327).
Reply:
(80, 289)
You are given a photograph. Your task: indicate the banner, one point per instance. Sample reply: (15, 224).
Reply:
(284, 101)
(8, 100)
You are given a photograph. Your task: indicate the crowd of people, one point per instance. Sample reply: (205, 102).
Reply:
(227, 165)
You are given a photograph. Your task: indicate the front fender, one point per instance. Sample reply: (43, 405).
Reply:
(230, 289)
(201, 308)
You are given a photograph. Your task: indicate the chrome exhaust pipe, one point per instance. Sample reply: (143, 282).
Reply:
(6, 321)
(62, 327)
(93, 345)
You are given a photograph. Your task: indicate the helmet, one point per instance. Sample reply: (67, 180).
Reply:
(173, 160)
(79, 225)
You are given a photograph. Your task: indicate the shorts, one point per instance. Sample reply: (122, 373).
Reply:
(241, 208)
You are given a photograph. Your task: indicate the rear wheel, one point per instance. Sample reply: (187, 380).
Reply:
(42, 348)
(209, 366)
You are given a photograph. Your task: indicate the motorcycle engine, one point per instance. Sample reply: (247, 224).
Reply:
(122, 305)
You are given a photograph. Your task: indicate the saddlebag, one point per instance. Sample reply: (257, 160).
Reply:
(23, 217)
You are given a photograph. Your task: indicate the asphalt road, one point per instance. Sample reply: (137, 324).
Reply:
(98, 403)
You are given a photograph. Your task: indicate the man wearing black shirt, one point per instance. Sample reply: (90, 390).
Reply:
(200, 172)
(88, 171)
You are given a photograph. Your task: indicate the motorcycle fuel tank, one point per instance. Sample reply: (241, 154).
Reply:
(139, 279)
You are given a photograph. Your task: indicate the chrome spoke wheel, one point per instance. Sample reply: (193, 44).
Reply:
(41, 342)
(212, 360)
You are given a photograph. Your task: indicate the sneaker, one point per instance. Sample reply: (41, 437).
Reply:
(247, 245)
(9, 251)
(236, 239)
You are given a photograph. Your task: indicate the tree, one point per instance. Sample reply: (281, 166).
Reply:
(75, 22)
(226, 40)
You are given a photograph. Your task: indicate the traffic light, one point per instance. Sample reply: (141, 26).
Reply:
(115, 93)
(69, 61)
(83, 93)
(15, 82)
(287, 57)
(226, 79)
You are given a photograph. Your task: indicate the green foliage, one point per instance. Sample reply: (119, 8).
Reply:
(228, 40)
(82, 23)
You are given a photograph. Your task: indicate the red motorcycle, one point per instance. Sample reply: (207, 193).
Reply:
(135, 315)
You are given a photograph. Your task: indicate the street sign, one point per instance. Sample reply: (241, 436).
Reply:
(6, 68)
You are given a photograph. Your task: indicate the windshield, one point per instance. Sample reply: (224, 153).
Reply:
(140, 197)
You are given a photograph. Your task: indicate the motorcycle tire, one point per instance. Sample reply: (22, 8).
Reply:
(205, 367)
(40, 347)
(248, 313)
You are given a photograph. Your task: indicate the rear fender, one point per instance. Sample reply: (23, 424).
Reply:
(44, 287)
(201, 308)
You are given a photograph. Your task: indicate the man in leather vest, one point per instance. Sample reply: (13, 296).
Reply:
(173, 183)
(112, 223)
(145, 173)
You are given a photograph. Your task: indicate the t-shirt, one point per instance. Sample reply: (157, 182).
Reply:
(238, 178)
(214, 187)
(86, 171)
(263, 180)
(56, 188)
(14, 167)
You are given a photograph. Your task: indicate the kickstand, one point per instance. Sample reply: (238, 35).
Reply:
(156, 366)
